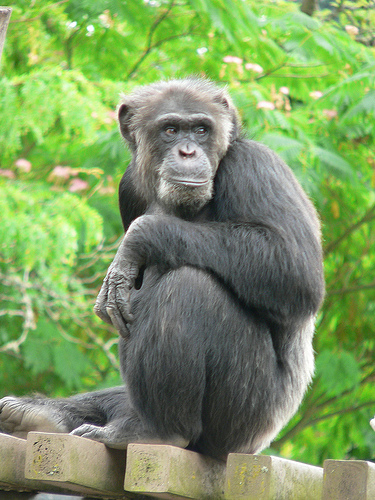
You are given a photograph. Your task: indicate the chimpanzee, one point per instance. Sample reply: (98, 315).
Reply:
(214, 288)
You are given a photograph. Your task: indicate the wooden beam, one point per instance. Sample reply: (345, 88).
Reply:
(75, 464)
(12, 464)
(168, 472)
(260, 477)
(348, 479)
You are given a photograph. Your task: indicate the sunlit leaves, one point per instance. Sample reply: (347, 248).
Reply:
(43, 230)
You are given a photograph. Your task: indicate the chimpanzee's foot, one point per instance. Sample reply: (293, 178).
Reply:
(18, 416)
(115, 435)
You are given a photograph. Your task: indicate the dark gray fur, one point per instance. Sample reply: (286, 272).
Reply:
(214, 288)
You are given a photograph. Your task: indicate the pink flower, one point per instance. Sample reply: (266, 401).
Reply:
(77, 185)
(352, 31)
(254, 67)
(265, 105)
(23, 165)
(7, 173)
(232, 59)
(61, 172)
(111, 117)
(330, 114)
(284, 90)
(316, 94)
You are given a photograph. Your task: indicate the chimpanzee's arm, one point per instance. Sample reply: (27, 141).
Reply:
(132, 205)
(266, 249)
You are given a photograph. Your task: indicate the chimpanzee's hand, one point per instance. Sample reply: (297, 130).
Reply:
(113, 302)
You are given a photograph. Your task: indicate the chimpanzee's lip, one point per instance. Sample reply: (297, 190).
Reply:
(190, 182)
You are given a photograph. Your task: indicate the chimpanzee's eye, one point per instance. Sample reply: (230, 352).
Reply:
(200, 130)
(170, 130)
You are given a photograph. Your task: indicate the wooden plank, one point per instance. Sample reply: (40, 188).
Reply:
(168, 472)
(348, 480)
(258, 477)
(12, 464)
(75, 464)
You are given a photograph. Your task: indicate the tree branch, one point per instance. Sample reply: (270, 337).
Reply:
(314, 408)
(353, 289)
(344, 411)
(150, 46)
(369, 216)
(29, 319)
(32, 19)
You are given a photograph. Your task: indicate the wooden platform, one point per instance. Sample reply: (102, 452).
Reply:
(66, 464)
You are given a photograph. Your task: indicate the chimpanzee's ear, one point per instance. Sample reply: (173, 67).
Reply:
(226, 102)
(236, 125)
(125, 115)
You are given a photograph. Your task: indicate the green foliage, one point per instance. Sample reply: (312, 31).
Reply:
(338, 371)
(42, 236)
(48, 229)
(46, 348)
(303, 85)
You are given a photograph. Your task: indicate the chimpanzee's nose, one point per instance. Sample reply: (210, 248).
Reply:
(187, 151)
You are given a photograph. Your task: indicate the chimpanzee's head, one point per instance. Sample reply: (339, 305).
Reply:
(178, 132)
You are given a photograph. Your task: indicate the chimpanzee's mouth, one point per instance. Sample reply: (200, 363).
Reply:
(189, 182)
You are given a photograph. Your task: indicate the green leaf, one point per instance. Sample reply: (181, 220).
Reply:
(69, 363)
(241, 19)
(287, 147)
(37, 350)
(334, 163)
(338, 371)
(365, 106)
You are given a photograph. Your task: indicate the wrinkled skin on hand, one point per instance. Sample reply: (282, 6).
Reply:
(113, 302)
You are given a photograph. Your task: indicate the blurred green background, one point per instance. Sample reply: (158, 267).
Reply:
(304, 85)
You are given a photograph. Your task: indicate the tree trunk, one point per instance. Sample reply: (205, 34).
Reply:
(4, 20)
(308, 7)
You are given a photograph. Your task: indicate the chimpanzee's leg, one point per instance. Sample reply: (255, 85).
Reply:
(187, 329)
(188, 362)
(201, 366)
(22, 414)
